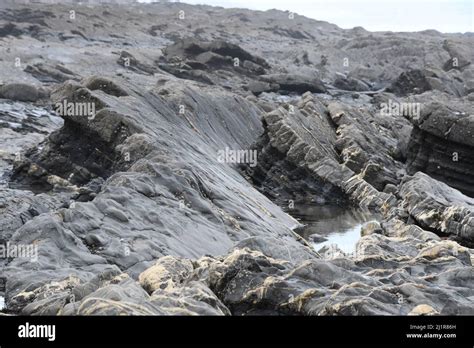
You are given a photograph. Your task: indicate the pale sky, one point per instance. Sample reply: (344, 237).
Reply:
(374, 15)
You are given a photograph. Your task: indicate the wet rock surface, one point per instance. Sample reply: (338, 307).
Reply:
(142, 206)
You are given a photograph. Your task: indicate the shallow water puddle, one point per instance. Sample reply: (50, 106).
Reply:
(331, 225)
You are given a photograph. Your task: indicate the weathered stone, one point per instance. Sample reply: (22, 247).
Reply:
(135, 213)
(21, 92)
(166, 274)
(423, 309)
(295, 83)
(439, 208)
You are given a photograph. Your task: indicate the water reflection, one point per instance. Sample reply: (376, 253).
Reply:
(331, 225)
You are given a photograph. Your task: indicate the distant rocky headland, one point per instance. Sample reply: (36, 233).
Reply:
(152, 156)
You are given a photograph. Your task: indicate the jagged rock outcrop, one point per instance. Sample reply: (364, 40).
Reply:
(381, 280)
(439, 208)
(295, 137)
(192, 48)
(134, 212)
(442, 144)
(118, 225)
(84, 148)
(211, 62)
(371, 143)
(299, 160)
(421, 80)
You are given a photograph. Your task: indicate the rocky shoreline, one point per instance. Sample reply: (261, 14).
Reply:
(133, 214)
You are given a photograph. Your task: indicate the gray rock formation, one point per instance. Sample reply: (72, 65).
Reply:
(115, 135)
(442, 144)
(437, 207)
(295, 83)
(21, 92)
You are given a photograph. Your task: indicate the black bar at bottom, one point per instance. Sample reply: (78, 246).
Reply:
(242, 331)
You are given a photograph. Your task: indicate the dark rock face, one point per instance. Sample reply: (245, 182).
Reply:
(421, 80)
(296, 83)
(442, 145)
(299, 157)
(211, 62)
(77, 152)
(449, 162)
(191, 48)
(258, 87)
(413, 81)
(296, 137)
(134, 212)
(10, 29)
(351, 84)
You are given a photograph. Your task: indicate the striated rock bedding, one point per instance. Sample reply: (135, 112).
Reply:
(131, 212)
